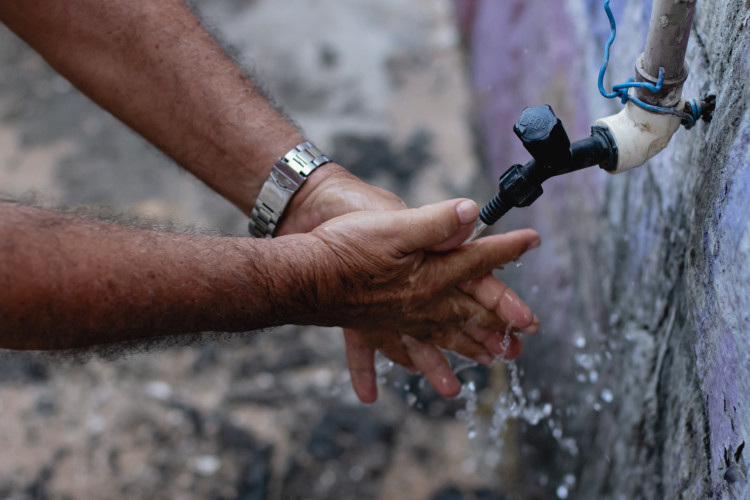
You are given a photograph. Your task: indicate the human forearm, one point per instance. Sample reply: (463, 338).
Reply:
(156, 68)
(69, 282)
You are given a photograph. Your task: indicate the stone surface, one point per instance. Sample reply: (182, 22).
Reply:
(642, 280)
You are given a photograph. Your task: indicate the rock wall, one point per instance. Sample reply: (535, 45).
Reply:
(643, 280)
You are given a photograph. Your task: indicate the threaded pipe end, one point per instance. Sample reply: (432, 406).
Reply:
(493, 210)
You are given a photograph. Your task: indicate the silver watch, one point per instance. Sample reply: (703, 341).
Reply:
(287, 176)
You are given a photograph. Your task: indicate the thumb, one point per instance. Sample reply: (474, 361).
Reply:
(432, 225)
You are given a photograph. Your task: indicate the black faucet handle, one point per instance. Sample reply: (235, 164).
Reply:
(543, 135)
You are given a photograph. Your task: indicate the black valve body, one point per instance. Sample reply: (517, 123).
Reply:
(543, 135)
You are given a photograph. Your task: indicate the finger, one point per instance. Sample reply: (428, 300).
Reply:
(514, 346)
(433, 365)
(433, 225)
(389, 344)
(459, 342)
(360, 358)
(494, 341)
(461, 311)
(456, 240)
(499, 298)
(397, 355)
(484, 255)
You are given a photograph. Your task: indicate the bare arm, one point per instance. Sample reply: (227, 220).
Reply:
(69, 282)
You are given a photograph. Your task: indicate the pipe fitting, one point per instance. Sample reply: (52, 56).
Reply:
(671, 88)
(638, 134)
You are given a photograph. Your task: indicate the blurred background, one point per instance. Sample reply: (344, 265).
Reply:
(383, 88)
(623, 394)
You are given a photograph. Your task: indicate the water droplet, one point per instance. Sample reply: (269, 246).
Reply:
(569, 479)
(613, 318)
(383, 365)
(580, 341)
(607, 396)
(593, 376)
(479, 228)
(158, 390)
(535, 289)
(411, 398)
(585, 361)
(562, 491)
(469, 394)
(519, 264)
(206, 465)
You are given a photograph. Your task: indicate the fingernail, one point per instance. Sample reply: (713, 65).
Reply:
(483, 359)
(534, 244)
(467, 211)
(532, 328)
(408, 341)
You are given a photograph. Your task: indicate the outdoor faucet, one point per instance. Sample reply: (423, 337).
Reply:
(543, 135)
(654, 110)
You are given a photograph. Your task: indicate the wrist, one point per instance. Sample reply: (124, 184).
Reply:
(322, 179)
(332, 191)
(296, 276)
(288, 175)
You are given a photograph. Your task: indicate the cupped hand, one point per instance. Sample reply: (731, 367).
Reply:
(408, 301)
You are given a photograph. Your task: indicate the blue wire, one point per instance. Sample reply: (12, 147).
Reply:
(621, 90)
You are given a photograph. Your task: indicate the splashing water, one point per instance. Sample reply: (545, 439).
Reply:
(469, 394)
(513, 404)
(479, 228)
(382, 366)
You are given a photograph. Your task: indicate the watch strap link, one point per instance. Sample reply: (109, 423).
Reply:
(287, 176)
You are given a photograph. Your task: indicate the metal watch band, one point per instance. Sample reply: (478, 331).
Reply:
(287, 176)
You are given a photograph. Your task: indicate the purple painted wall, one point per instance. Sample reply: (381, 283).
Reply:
(643, 282)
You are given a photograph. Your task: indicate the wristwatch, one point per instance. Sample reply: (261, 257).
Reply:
(287, 176)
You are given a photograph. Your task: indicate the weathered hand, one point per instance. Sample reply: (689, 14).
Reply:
(412, 294)
(331, 191)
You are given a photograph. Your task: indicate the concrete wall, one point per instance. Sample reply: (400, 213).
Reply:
(642, 283)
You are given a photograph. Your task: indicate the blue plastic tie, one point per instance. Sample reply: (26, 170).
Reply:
(622, 90)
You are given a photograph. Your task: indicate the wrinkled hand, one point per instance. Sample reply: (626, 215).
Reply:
(332, 191)
(389, 281)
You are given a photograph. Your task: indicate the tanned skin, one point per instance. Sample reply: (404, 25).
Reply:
(158, 70)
